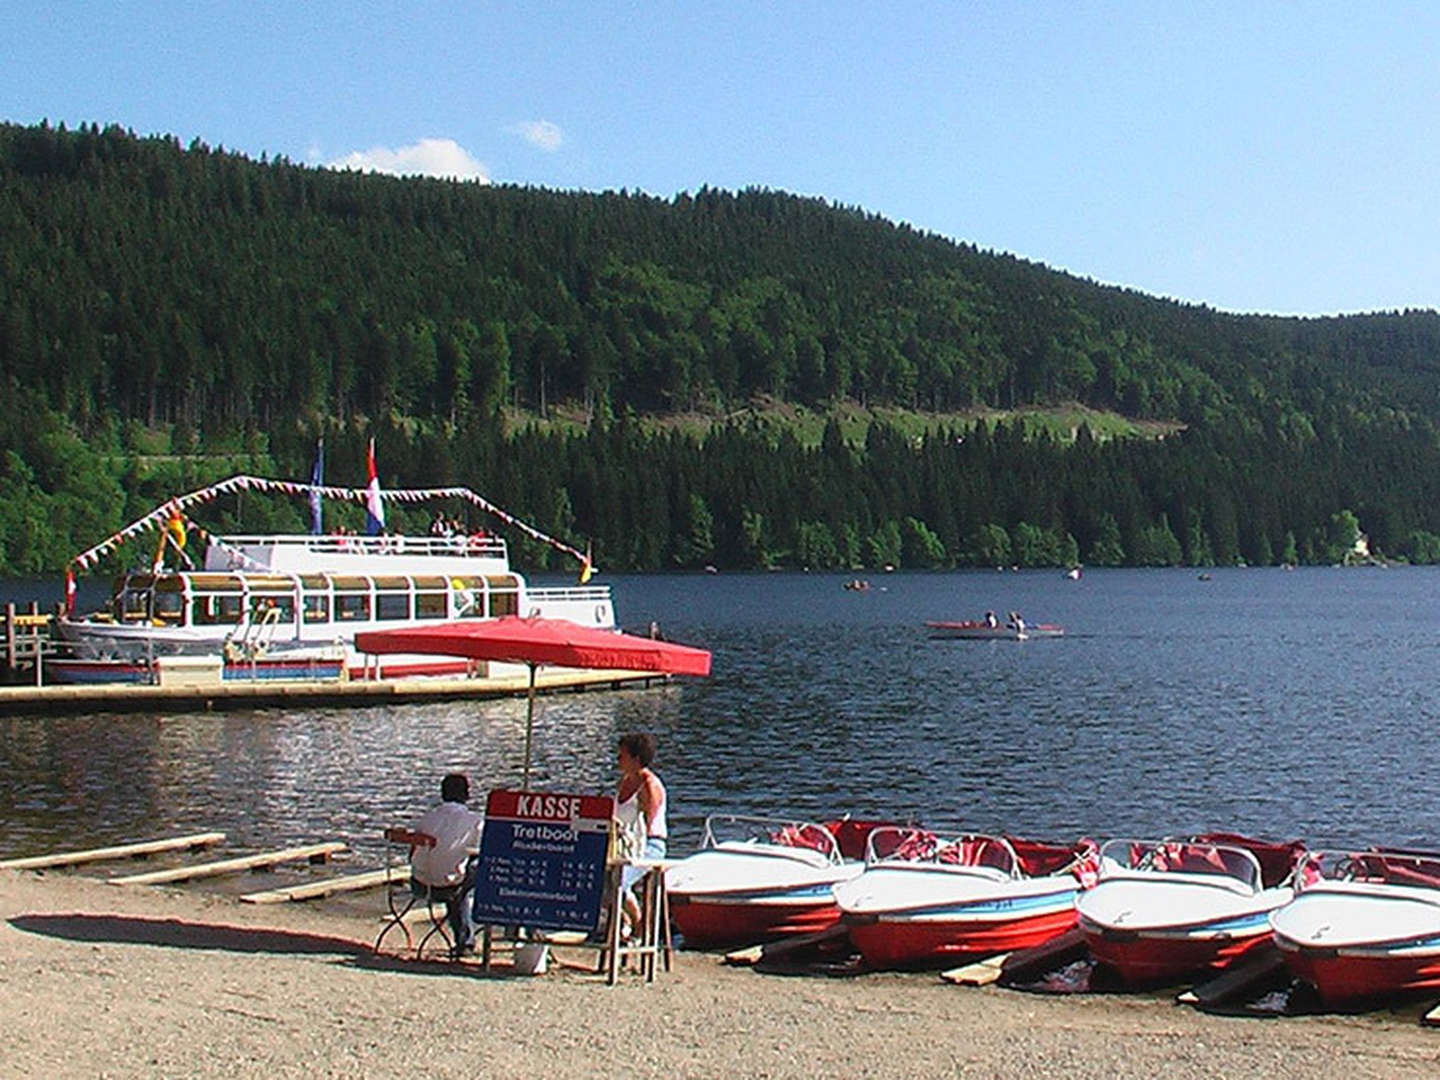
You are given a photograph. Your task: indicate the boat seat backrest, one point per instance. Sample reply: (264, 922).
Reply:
(851, 835)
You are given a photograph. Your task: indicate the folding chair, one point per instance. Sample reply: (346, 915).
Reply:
(414, 892)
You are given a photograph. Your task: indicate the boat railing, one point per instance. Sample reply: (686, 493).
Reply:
(912, 844)
(481, 547)
(1180, 856)
(1374, 866)
(581, 594)
(735, 829)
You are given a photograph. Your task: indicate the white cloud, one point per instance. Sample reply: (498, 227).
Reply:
(541, 134)
(444, 158)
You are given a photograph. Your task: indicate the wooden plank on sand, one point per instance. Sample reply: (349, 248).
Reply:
(1057, 952)
(981, 973)
(1265, 963)
(313, 852)
(316, 889)
(122, 851)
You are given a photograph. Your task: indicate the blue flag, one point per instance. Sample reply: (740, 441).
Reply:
(317, 478)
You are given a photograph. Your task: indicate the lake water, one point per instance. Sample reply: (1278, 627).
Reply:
(1290, 704)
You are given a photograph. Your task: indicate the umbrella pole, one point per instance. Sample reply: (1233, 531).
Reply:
(529, 729)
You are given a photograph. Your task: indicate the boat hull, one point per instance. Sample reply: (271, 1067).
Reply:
(741, 894)
(714, 922)
(1154, 927)
(1345, 977)
(1358, 941)
(911, 914)
(1141, 958)
(901, 943)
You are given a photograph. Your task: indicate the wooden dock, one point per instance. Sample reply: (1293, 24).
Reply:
(264, 860)
(125, 697)
(118, 851)
(316, 890)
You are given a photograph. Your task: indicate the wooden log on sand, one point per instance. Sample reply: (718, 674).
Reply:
(313, 852)
(316, 889)
(121, 851)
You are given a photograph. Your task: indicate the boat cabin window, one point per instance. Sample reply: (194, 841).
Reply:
(392, 605)
(431, 605)
(214, 610)
(352, 607)
(504, 595)
(261, 606)
(469, 597)
(134, 605)
(168, 607)
(317, 608)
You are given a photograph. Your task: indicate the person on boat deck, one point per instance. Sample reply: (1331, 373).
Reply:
(456, 829)
(1017, 623)
(641, 812)
(990, 620)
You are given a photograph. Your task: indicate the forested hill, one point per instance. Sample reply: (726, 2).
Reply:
(163, 305)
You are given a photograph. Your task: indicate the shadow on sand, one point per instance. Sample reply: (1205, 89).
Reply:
(222, 937)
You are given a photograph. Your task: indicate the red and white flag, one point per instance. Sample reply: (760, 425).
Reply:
(374, 506)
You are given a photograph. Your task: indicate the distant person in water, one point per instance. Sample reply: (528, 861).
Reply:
(641, 808)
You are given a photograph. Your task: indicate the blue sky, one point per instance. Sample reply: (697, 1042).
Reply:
(1279, 157)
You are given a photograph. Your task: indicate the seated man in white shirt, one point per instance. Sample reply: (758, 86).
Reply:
(456, 829)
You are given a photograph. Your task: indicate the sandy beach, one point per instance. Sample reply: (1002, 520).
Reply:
(110, 981)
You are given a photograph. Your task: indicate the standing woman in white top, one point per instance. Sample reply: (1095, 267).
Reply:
(641, 801)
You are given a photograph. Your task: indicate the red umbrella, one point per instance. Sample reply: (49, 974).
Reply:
(537, 641)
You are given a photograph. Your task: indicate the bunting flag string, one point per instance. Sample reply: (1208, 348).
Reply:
(161, 515)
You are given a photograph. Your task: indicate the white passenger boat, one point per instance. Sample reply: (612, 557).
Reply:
(301, 596)
(1364, 925)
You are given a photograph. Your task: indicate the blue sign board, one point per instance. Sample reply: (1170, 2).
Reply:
(542, 860)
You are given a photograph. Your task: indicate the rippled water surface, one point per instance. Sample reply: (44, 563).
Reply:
(1290, 704)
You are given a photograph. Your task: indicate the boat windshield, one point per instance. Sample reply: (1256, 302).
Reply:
(1183, 856)
(731, 830)
(1374, 866)
(897, 843)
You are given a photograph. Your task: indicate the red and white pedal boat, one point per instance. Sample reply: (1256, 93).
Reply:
(756, 879)
(925, 899)
(1364, 925)
(1164, 909)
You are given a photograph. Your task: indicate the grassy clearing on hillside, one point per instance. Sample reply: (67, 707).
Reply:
(1062, 422)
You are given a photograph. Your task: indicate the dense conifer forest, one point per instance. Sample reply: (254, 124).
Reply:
(170, 315)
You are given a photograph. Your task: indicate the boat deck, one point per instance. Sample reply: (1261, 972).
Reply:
(123, 697)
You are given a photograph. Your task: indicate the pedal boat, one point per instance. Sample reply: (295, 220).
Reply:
(926, 900)
(757, 879)
(1165, 909)
(976, 630)
(1364, 925)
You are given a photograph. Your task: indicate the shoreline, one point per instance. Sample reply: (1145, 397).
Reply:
(137, 981)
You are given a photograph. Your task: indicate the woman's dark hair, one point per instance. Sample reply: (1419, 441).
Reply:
(640, 745)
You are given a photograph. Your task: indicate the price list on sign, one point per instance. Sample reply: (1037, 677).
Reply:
(542, 860)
